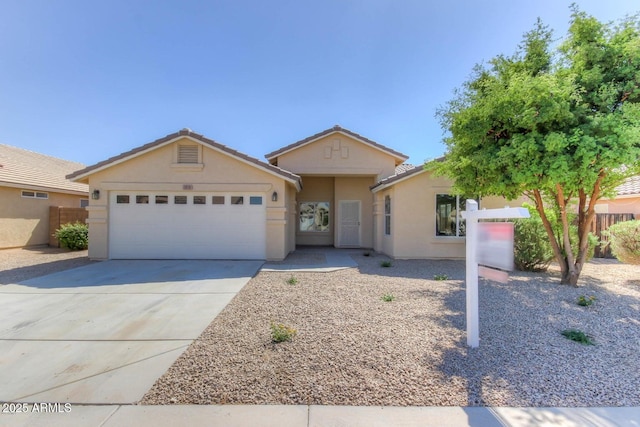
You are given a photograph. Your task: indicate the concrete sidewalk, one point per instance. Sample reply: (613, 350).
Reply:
(320, 416)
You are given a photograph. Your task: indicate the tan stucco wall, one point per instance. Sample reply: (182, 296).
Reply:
(413, 219)
(619, 205)
(338, 154)
(25, 221)
(218, 172)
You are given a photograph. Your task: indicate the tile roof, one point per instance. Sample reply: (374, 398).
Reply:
(24, 168)
(79, 174)
(336, 128)
(629, 187)
(402, 171)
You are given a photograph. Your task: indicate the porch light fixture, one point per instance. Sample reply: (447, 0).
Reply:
(95, 195)
(274, 196)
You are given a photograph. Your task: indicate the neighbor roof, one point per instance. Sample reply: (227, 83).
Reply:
(21, 168)
(337, 128)
(403, 172)
(630, 187)
(83, 173)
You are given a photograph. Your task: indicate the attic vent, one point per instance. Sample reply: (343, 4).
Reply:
(187, 154)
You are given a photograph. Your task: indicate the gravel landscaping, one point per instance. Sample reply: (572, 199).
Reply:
(21, 264)
(353, 348)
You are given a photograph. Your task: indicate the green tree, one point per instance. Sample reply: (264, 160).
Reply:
(559, 125)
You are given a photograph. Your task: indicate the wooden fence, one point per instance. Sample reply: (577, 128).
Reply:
(60, 215)
(603, 222)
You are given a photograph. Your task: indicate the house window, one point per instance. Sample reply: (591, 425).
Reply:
(180, 200)
(255, 200)
(237, 200)
(162, 200)
(314, 216)
(199, 200)
(217, 200)
(34, 195)
(449, 221)
(122, 199)
(188, 153)
(387, 215)
(142, 200)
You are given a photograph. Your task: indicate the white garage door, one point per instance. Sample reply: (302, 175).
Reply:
(155, 225)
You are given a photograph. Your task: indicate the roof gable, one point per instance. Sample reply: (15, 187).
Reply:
(28, 169)
(186, 133)
(399, 157)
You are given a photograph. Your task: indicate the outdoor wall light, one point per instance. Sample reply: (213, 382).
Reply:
(274, 196)
(95, 195)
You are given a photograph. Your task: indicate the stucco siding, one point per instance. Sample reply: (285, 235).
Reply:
(337, 154)
(25, 221)
(158, 170)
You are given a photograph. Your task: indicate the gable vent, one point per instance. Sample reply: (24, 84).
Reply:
(187, 154)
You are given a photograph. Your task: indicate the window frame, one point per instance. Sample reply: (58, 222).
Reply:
(311, 215)
(460, 223)
(33, 194)
(387, 215)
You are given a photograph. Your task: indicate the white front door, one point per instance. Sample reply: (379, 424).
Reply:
(349, 226)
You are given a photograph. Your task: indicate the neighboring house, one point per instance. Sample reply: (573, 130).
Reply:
(186, 196)
(627, 199)
(29, 184)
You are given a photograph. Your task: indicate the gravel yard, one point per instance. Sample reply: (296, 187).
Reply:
(21, 264)
(353, 348)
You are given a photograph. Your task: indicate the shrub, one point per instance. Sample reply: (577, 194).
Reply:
(385, 264)
(281, 332)
(586, 301)
(73, 236)
(624, 238)
(292, 280)
(532, 250)
(440, 277)
(578, 336)
(387, 297)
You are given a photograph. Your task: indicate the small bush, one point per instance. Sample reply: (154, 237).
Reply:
(385, 264)
(578, 336)
(532, 250)
(292, 281)
(624, 238)
(586, 301)
(440, 277)
(281, 332)
(73, 236)
(387, 297)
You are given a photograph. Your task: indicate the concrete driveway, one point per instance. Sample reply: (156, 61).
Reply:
(105, 332)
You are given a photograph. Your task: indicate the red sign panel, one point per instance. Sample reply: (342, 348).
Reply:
(495, 245)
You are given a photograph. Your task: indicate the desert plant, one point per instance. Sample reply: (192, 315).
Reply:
(440, 277)
(586, 301)
(281, 332)
(532, 250)
(624, 238)
(578, 336)
(385, 264)
(292, 280)
(73, 236)
(387, 297)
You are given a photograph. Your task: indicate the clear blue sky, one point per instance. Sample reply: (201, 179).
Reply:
(86, 80)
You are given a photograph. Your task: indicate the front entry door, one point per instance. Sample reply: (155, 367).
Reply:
(349, 228)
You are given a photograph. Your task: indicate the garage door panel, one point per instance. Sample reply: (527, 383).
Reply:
(177, 231)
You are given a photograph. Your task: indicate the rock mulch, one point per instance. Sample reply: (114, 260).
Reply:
(21, 264)
(353, 348)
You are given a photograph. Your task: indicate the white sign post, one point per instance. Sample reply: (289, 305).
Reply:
(472, 215)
